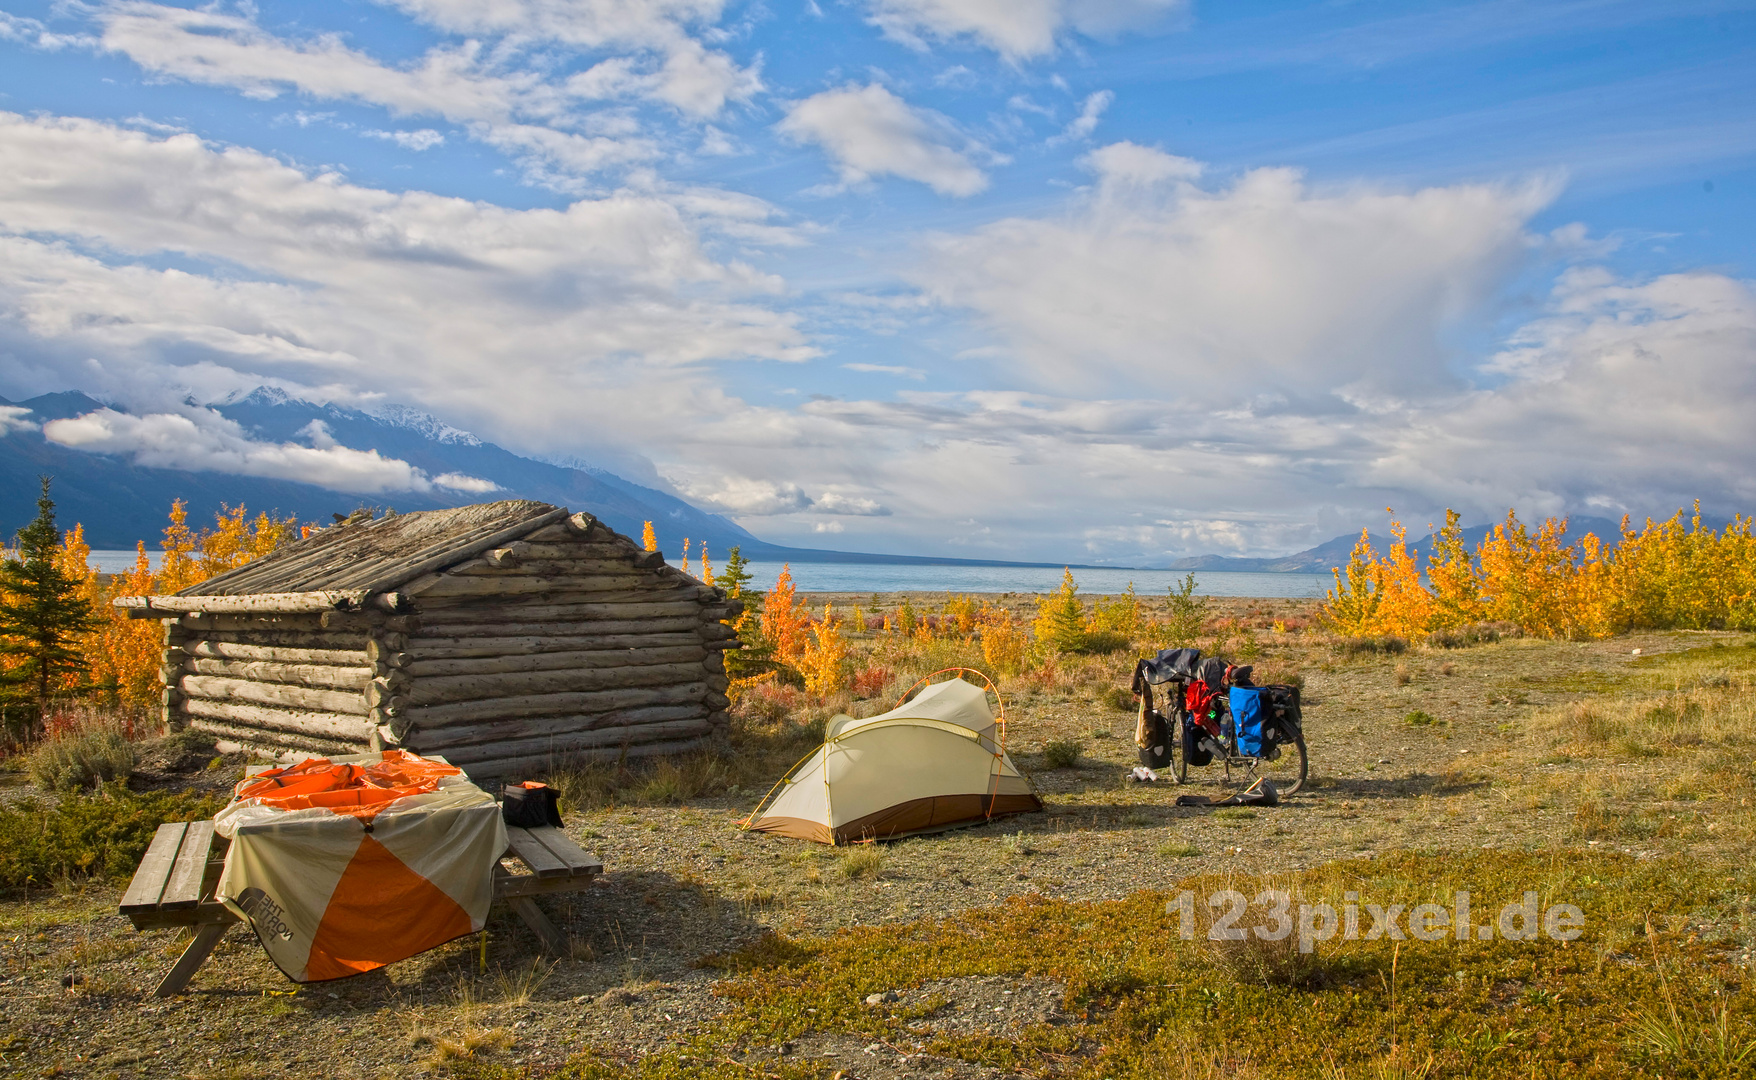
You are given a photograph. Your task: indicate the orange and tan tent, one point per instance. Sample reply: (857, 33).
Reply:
(342, 865)
(931, 763)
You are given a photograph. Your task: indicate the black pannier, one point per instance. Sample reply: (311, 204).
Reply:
(1157, 752)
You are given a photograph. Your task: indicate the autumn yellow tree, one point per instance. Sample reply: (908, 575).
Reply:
(1405, 607)
(1060, 621)
(648, 538)
(960, 611)
(1003, 640)
(825, 660)
(1351, 607)
(124, 653)
(785, 623)
(1526, 576)
(1451, 570)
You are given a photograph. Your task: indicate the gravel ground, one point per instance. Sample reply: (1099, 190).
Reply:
(682, 883)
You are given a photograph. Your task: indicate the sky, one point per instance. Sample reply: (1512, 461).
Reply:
(1112, 282)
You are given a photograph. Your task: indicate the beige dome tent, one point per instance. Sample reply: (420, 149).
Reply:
(931, 763)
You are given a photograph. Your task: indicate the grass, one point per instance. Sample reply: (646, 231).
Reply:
(767, 746)
(1634, 803)
(1140, 997)
(865, 861)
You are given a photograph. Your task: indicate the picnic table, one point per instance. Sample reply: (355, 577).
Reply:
(174, 887)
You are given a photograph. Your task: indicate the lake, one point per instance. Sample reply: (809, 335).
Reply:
(888, 577)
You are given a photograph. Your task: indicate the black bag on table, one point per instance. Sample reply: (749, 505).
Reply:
(531, 805)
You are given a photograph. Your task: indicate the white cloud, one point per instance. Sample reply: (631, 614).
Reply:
(590, 24)
(888, 369)
(15, 418)
(1016, 29)
(752, 497)
(671, 65)
(870, 132)
(227, 50)
(757, 497)
(1090, 111)
(32, 32)
(1260, 286)
(475, 485)
(1624, 393)
(205, 441)
(424, 139)
(834, 502)
(536, 323)
(517, 109)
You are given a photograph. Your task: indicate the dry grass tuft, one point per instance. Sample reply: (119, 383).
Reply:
(865, 861)
(1255, 960)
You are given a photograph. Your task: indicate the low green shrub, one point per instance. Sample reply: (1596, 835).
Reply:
(1119, 698)
(1462, 637)
(86, 756)
(1062, 753)
(102, 835)
(1388, 645)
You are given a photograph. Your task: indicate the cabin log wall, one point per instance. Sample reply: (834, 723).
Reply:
(571, 644)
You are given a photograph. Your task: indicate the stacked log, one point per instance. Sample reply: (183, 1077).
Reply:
(573, 645)
(570, 644)
(285, 685)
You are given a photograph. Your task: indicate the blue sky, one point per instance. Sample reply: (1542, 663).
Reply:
(1108, 281)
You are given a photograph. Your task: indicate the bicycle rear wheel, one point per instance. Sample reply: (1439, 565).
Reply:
(1287, 772)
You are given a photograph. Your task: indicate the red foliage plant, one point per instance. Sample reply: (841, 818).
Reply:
(870, 682)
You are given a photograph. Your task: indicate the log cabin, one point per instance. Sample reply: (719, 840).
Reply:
(507, 637)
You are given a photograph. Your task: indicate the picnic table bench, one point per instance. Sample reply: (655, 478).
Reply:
(174, 887)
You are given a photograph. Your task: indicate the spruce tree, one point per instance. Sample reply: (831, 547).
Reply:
(734, 576)
(41, 611)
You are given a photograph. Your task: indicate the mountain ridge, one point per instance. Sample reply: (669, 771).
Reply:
(119, 502)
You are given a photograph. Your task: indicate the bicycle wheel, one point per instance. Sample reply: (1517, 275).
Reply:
(1288, 771)
(1185, 743)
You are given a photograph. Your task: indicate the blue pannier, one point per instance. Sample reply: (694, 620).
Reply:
(1248, 714)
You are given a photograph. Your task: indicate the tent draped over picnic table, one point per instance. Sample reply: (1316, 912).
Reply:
(931, 763)
(343, 865)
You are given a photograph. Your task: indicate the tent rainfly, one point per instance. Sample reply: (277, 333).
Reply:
(931, 763)
(503, 636)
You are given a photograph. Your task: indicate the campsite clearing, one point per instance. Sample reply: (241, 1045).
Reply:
(1039, 944)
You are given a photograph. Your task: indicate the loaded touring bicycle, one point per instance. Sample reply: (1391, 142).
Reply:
(1214, 713)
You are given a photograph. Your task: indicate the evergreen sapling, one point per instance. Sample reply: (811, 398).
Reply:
(41, 612)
